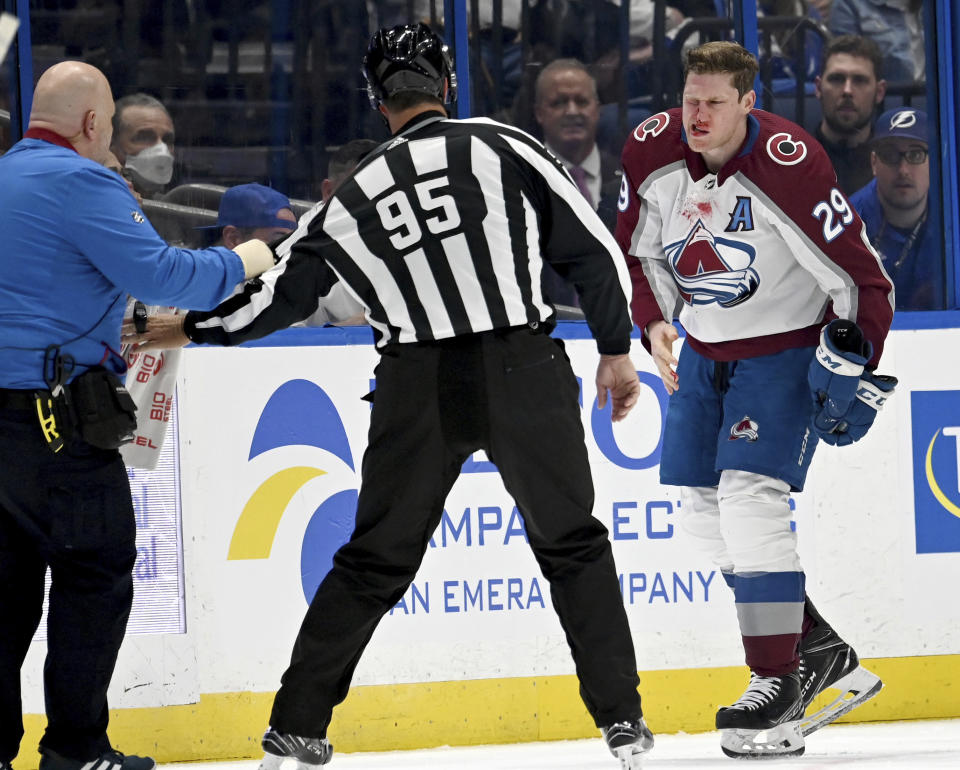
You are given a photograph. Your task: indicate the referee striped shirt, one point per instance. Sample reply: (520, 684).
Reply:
(441, 232)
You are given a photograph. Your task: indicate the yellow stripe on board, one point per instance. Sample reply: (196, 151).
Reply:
(413, 716)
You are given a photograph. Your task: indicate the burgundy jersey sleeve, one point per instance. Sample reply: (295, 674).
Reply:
(653, 144)
(794, 174)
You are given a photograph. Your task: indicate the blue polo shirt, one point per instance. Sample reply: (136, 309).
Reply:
(74, 244)
(916, 268)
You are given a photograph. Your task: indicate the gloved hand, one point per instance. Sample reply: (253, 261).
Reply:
(835, 372)
(872, 394)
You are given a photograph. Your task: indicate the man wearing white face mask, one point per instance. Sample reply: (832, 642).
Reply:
(143, 139)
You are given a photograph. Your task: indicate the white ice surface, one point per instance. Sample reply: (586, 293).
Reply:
(875, 746)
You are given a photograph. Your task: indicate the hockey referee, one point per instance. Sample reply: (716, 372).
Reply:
(442, 234)
(75, 242)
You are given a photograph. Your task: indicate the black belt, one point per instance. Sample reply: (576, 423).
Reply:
(16, 399)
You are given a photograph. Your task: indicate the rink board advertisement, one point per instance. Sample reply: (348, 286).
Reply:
(280, 470)
(935, 417)
(271, 440)
(158, 572)
(273, 455)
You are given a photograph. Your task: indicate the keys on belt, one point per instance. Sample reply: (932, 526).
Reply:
(53, 405)
(44, 405)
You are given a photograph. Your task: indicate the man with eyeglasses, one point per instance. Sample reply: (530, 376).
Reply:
(894, 208)
(849, 88)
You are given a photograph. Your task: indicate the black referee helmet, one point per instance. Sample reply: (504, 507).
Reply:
(409, 57)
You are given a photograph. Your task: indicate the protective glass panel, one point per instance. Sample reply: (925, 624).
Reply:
(8, 76)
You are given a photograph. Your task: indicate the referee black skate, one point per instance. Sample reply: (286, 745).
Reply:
(442, 234)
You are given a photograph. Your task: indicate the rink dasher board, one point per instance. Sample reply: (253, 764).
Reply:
(474, 645)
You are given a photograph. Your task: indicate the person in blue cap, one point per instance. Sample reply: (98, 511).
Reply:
(249, 211)
(894, 208)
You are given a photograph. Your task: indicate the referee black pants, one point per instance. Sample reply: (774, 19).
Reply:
(514, 395)
(71, 512)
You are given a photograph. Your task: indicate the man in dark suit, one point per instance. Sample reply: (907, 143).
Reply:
(567, 109)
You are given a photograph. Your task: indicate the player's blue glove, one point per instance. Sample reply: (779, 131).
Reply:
(835, 372)
(872, 394)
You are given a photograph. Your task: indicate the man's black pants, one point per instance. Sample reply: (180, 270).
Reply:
(72, 512)
(513, 394)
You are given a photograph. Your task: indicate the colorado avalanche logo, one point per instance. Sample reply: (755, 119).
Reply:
(652, 126)
(712, 269)
(786, 150)
(746, 428)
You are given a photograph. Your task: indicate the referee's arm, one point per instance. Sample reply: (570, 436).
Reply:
(281, 296)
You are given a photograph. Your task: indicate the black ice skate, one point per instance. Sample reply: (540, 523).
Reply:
(826, 661)
(765, 722)
(627, 741)
(308, 753)
(109, 760)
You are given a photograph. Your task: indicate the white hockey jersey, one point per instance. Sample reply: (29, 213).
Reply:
(753, 259)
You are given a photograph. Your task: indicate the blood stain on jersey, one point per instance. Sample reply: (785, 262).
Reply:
(697, 205)
(711, 269)
(746, 428)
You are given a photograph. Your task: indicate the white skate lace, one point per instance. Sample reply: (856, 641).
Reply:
(761, 690)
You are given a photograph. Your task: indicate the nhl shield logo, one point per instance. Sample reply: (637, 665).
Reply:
(746, 428)
(711, 269)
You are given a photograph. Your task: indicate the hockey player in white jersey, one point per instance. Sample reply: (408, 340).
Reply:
(732, 221)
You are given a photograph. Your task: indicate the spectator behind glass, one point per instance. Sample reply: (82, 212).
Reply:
(342, 163)
(849, 89)
(143, 140)
(567, 110)
(249, 211)
(338, 307)
(114, 164)
(894, 209)
(896, 26)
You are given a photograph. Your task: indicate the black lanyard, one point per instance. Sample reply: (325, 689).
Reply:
(908, 244)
